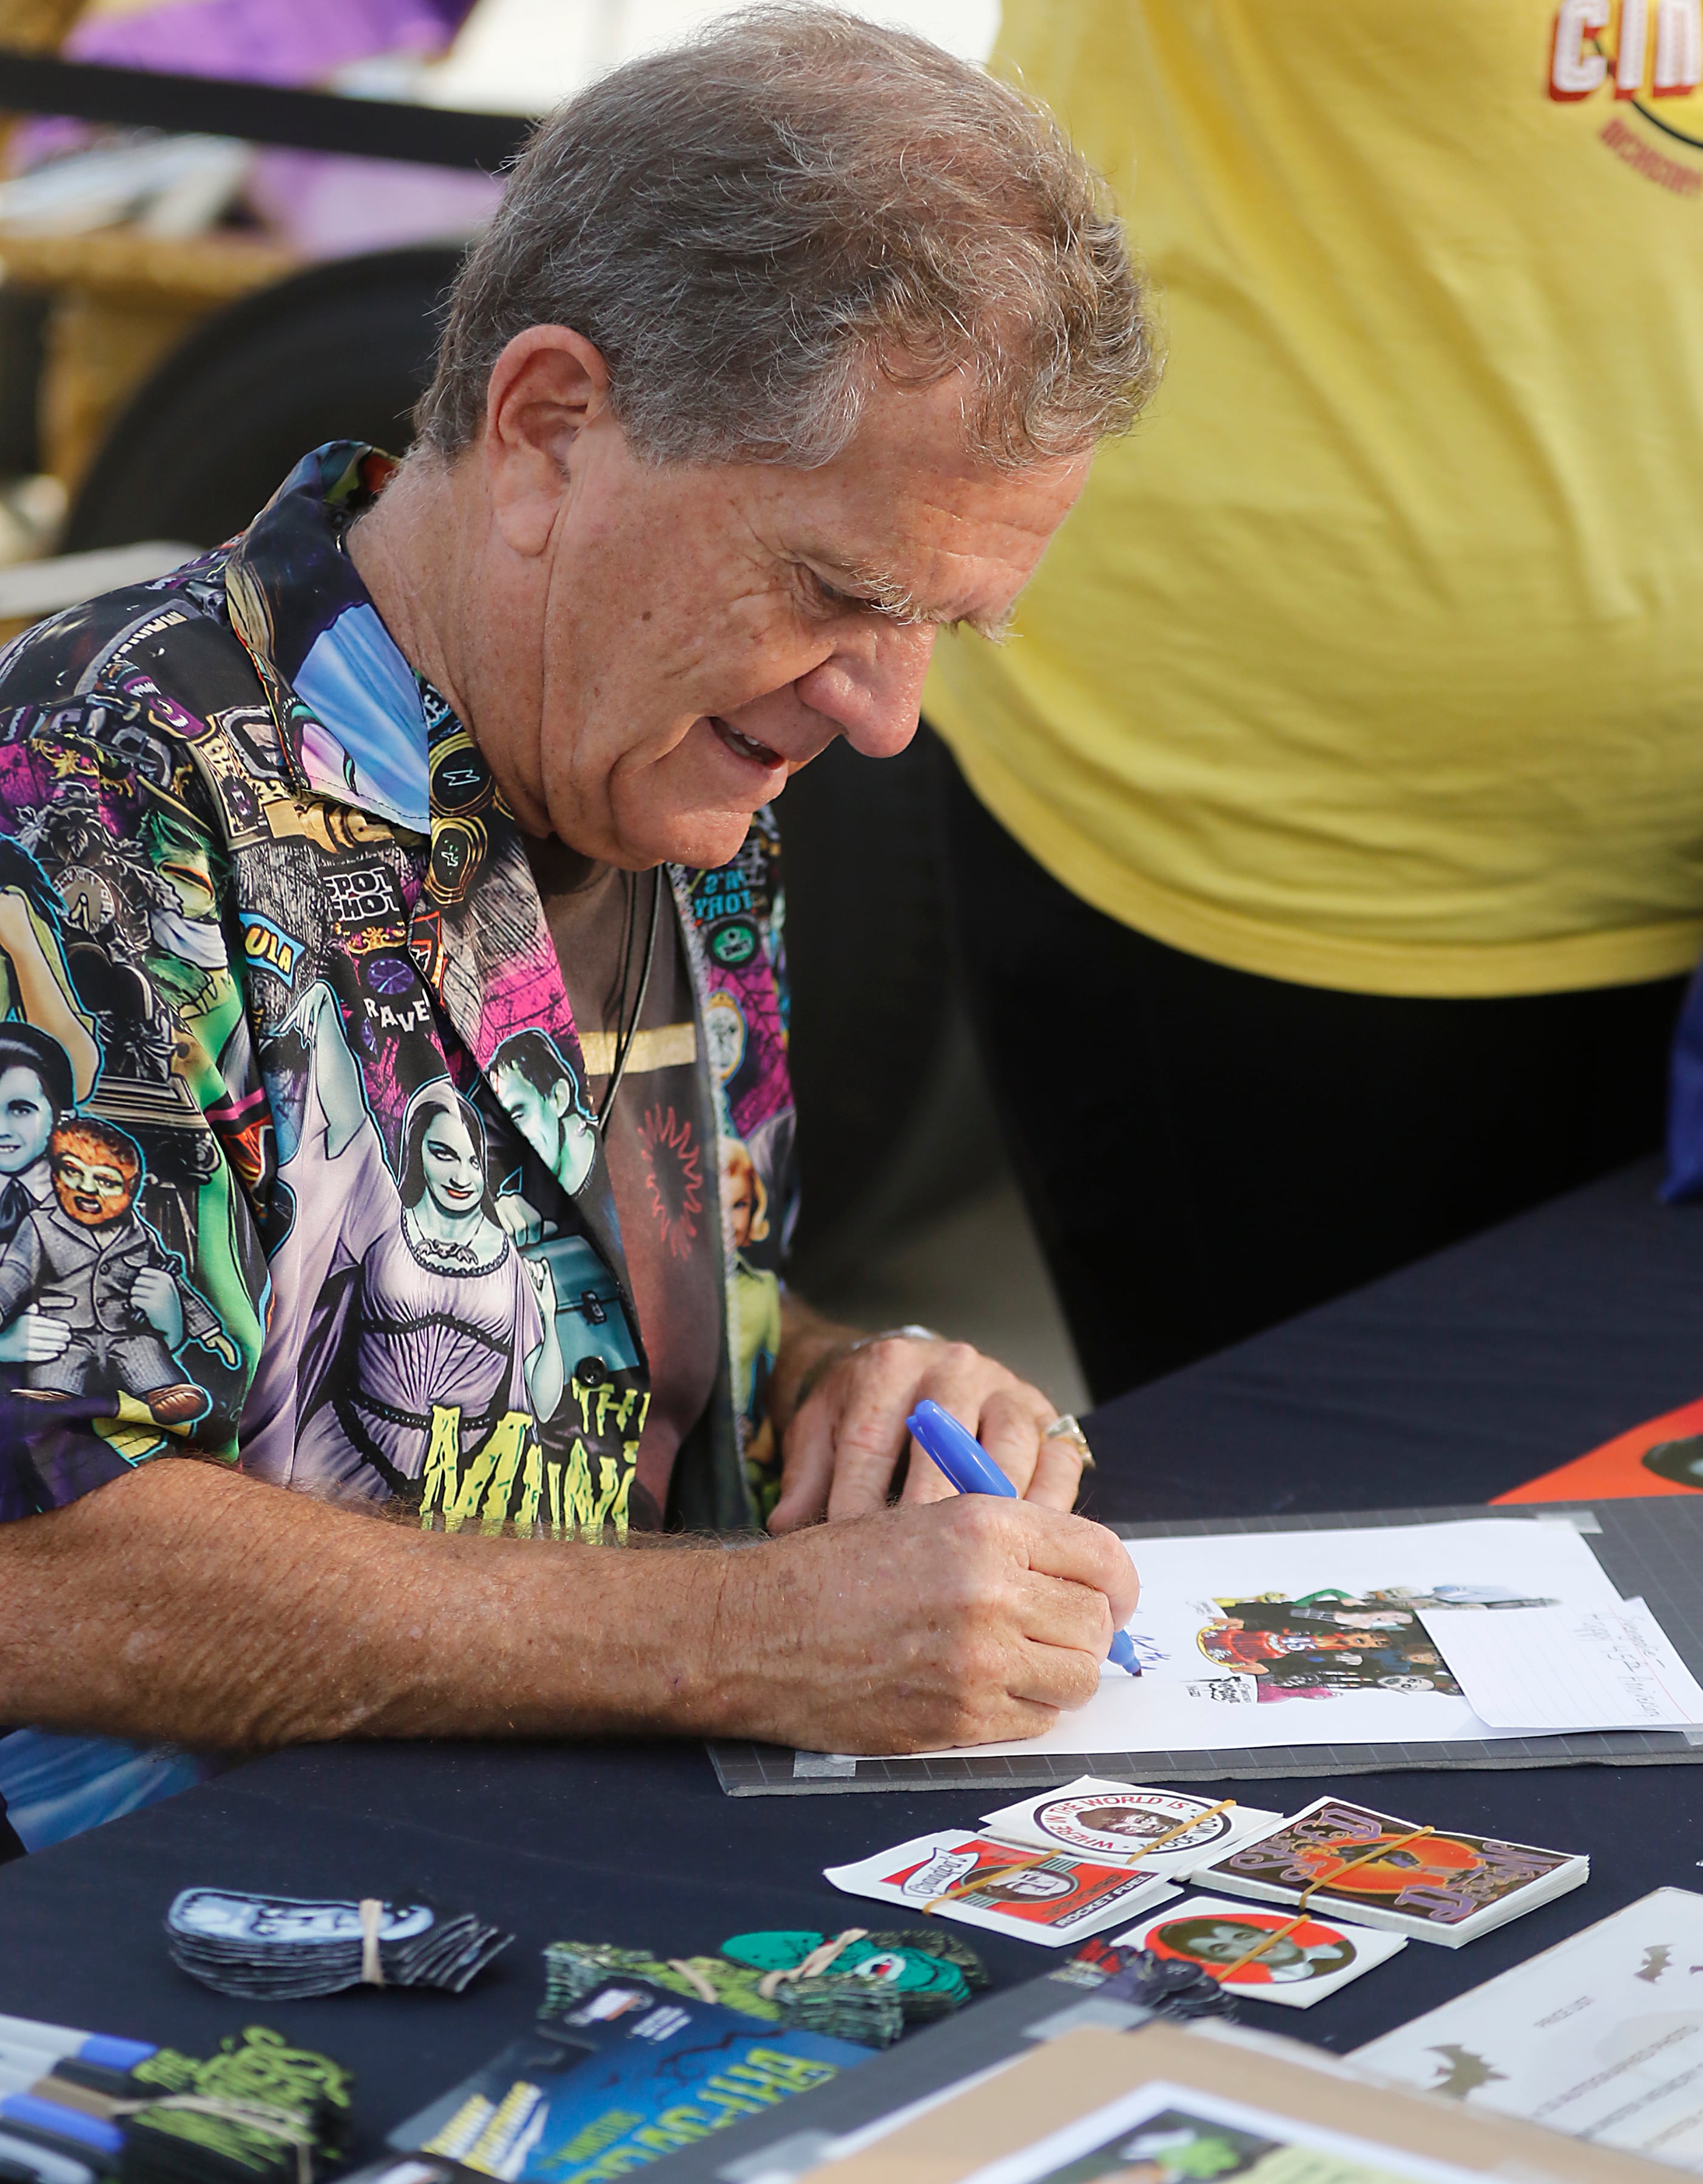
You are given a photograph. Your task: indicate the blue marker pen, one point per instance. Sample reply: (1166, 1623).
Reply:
(967, 1464)
(22, 2037)
(42, 2163)
(68, 2130)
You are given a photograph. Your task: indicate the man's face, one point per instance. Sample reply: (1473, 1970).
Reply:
(1225, 1943)
(537, 1115)
(92, 1190)
(27, 1119)
(692, 634)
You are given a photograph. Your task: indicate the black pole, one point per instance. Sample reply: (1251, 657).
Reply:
(262, 114)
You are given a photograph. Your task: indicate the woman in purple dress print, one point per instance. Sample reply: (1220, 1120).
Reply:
(429, 1320)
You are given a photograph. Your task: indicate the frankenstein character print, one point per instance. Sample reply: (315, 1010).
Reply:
(540, 1092)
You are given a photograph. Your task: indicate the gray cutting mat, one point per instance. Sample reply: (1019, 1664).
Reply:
(1652, 1548)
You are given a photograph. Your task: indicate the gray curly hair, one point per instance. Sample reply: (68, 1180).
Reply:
(756, 226)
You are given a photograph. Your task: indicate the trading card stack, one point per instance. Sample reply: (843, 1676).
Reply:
(1432, 1884)
(282, 1948)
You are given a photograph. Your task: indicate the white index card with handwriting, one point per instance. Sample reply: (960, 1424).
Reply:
(1567, 1668)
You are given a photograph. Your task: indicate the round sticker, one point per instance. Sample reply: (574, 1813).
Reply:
(1218, 1940)
(458, 850)
(724, 1035)
(734, 945)
(461, 783)
(390, 974)
(1122, 1822)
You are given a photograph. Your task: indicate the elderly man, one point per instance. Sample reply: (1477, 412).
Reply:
(408, 860)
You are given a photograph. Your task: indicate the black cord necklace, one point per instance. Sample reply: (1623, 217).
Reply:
(625, 1032)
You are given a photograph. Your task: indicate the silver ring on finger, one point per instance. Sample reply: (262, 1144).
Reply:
(1065, 1428)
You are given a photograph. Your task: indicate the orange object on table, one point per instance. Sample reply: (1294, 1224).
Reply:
(1618, 1470)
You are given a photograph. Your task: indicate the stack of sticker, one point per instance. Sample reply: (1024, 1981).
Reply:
(1077, 1861)
(257, 2112)
(77, 2105)
(852, 1985)
(1057, 1869)
(285, 1947)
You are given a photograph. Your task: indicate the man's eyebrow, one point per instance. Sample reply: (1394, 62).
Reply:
(886, 595)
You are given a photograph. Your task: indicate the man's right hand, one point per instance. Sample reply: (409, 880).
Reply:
(958, 1622)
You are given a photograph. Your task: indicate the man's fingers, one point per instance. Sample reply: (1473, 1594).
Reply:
(1087, 1554)
(1057, 1477)
(1062, 1677)
(868, 1442)
(1077, 1618)
(1009, 1430)
(1002, 1720)
(806, 1466)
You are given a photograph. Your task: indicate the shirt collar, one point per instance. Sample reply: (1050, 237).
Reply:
(348, 706)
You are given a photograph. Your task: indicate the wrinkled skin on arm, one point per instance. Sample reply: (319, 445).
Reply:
(191, 1604)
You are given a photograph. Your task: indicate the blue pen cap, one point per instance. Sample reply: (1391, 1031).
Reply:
(957, 1452)
(108, 2054)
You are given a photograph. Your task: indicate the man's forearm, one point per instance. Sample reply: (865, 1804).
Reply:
(190, 1603)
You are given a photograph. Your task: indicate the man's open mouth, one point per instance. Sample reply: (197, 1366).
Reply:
(744, 746)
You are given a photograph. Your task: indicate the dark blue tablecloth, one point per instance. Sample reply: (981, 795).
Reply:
(1445, 1384)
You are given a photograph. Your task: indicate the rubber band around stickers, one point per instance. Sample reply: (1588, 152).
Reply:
(1303, 1908)
(988, 1876)
(372, 1917)
(288, 2128)
(694, 1979)
(814, 1965)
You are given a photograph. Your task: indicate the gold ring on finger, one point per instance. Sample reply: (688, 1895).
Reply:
(1066, 1428)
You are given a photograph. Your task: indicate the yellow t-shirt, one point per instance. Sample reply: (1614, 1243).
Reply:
(1374, 658)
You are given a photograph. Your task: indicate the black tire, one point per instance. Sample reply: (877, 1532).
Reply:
(339, 352)
(893, 1123)
(23, 315)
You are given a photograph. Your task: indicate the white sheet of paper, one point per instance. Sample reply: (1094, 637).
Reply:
(1601, 2037)
(1179, 1704)
(1552, 1668)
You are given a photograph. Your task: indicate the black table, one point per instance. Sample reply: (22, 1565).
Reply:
(1448, 1382)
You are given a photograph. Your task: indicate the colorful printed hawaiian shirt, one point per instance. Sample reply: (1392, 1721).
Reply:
(286, 1065)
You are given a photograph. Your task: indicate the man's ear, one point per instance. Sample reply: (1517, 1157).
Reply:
(547, 388)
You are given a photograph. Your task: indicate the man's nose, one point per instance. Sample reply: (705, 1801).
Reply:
(872, 689)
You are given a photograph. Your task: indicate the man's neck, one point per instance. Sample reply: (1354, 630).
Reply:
(425, 553)
(402, 553)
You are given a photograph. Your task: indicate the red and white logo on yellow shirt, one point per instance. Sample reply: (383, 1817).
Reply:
(1647, 57)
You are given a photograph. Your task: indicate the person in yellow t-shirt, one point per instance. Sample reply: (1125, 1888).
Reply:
(1340, 793)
